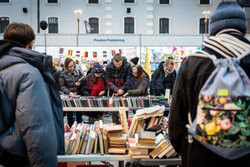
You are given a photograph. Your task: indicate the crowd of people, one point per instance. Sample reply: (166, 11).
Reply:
(31, 116)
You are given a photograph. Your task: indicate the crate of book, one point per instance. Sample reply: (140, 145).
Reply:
(149, 135)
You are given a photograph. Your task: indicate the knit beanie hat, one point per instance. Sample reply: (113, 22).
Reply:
(228, 15)
(135, 60)
(98, 69)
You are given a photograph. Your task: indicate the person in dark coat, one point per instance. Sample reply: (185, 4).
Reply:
(56, 70)
(163, 78)
(117, 72)
(31, 119)
(70, 82)
(228, 22)
(137, 83)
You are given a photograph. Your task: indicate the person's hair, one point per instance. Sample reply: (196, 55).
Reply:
(169, 61)
(77, 61)
(20, 33)
(117, 57)
(140, 72)
(66, 62)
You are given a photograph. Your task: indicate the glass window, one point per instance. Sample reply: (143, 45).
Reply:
(129, 25)
(163, 1)
(129, 1)
(164, 26)
(52, 1)
(94, 24)
(93, 1)
(204, 2)
(204, 25)
(4, 21)
(4, 1)
(53, 24)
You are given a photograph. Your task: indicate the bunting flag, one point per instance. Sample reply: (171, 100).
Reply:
(147, 61)
(94, 54)
(120, 51)
(113, 52)
(70, 52)
(174, 49)
(104, 53)
(85, 54)
(61, 51)
(77, 53)
(182, 52)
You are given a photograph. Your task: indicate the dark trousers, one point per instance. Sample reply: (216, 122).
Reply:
(71, 120)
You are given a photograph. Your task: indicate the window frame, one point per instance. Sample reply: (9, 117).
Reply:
(124, 24)
(5, 3)
(54, 3)
(159, 25)
(199, 4)
(9, 22)
(58, 28)
(164, 4)
(93, 3)
(129, 3)
(204, 26)
(98, 23)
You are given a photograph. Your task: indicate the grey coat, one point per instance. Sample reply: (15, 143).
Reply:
(37, 133)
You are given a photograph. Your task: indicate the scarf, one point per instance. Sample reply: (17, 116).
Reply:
(97, 88)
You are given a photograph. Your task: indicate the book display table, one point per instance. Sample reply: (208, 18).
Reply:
(157, 162)
(94, 157)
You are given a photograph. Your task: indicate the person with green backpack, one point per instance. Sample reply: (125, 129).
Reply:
(209, 119)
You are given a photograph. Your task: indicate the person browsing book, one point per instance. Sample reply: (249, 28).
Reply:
(137, 82)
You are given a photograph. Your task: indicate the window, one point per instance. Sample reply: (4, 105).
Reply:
(93, 1)
(129, 1)
(129, 25)
(4, 21)
(52, 1)
(204, 2)
(163, 1)
(94, 24)
(204, 25)
(164, 26)
(4, 1)
(53, 24)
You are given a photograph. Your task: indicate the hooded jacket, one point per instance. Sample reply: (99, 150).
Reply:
(37, 134)
(159, 83)
(116, 78)
(193, 74)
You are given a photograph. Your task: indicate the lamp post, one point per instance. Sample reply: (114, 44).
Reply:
(78, 12)
(206, 13)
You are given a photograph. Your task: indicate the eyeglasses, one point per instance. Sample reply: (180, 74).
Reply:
(71, 66)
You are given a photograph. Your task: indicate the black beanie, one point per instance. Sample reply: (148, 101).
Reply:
(228, 15)
(135, 60)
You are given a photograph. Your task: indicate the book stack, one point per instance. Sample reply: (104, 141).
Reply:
(84, 139)
(144, 141)
(115, 141)
(86, 101)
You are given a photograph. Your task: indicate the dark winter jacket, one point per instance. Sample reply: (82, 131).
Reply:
(56, 74)
(193, 74)
(137, 87)
(116, 78)
(159, 83)
(67, 81)
(37, 134)
(89, 82)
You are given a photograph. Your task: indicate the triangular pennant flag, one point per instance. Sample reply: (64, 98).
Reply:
(182, 52)
(113, 52)
(174, 49)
